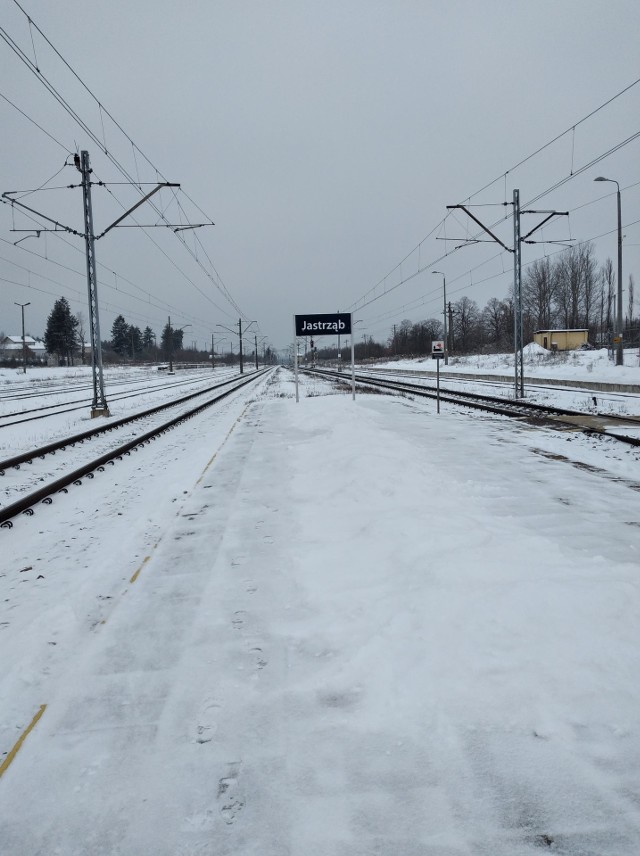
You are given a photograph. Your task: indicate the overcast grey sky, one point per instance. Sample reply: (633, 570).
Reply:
(325, 139)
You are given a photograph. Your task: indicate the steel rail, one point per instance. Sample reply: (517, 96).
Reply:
(586, 387)
(82, 402)
(60, 485)
(541, 414)
(52, 448)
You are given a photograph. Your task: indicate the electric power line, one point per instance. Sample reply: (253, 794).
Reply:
(359, 304)
(66, 106)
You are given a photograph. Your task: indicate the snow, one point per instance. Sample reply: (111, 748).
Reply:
(592, 366)
(353, 628)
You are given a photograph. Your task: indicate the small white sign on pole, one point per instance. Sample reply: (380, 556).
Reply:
(437, 353)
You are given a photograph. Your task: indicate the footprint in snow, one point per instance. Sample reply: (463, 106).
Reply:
(229, 797)
(207, 725)
(260, 659)
(238, 619)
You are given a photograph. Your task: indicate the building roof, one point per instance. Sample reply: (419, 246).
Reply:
(14, 343)
(566, 330)
(17, 340)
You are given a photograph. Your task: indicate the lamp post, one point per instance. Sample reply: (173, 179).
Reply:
(24, 344)
(444, 315)
(220, 341)
(619, 349)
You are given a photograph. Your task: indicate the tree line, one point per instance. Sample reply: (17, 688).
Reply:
(64, 339)
(571, 291)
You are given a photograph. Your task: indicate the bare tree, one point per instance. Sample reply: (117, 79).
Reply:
(466, 321)
(539, 292)
(81, 335)
(576, 289)
(608, 281)
(497, 322)
(589, 282)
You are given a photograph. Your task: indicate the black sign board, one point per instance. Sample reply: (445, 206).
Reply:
(323, 325)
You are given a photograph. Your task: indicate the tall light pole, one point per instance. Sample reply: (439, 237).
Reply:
(619, 349)
(444, 315)
(220, 341)
(24, 344)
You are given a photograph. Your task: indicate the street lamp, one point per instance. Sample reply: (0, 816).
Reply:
(619, 351)
(24, 344)
(444, 291)
(220, 340)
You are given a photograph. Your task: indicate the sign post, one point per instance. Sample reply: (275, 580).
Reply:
(337, 323)
(437, 353)
(295, 357)
(353, 371)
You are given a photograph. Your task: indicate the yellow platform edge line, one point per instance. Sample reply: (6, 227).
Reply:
(7, 761)
(215, 454)
(136, 573)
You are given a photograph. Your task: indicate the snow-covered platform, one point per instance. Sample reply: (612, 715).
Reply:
(365, 629)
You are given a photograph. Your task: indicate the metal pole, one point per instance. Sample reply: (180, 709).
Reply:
(213, 356)
(446, 348)
(256, 341)
(99, 406)
(619, 350)
(240, 334)
(353, 364)
(438, 383)
(24, 342)
(444, 295)
(170, 347)
(295, 357)
(517, 299)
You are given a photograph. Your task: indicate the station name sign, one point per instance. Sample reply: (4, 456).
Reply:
(323, 325)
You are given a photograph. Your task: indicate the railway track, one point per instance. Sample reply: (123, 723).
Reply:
(602, 392)
(18, 417)
(44, 493)
(539, 414)
(46, 388)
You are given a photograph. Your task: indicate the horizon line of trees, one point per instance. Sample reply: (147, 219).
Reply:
(64, 339)
(569, 292)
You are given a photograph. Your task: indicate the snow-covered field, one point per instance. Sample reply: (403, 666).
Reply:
(331, 628)
(128, 390)
(550, 379)
(538, 363)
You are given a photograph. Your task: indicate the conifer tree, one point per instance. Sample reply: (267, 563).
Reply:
(61, 336)
(120, 338)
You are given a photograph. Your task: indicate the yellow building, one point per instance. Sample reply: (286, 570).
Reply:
(561, 340)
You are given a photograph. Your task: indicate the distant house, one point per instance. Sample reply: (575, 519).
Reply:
(561, 340)
(11, 349)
